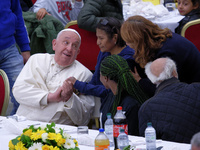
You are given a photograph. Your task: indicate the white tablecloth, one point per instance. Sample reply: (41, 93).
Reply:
(8, 132)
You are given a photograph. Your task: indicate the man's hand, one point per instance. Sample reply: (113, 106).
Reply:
(41, 13)
(25, 56)
(55, 97)
(67, 90)
(72, 80)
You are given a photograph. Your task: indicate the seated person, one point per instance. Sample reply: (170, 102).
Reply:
(95, 10)
(174, 110)
(190, 9)
(65, 11)
(115, 74)
(195, 142)
(43, 90)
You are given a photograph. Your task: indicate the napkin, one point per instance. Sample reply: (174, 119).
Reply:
(14, 124)
(85, 139)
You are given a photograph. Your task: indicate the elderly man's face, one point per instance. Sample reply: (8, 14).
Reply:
(66, 48)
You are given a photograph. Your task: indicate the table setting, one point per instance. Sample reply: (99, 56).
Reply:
(12, 127)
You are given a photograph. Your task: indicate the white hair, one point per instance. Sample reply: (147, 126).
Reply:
(68, 29)
(169, 67)
(195, 141)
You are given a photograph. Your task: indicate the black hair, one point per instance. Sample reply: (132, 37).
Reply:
(196, 2)
(111, 26)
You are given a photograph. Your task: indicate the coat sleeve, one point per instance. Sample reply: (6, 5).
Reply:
(90, 15)
(143, 116)
(21, 35)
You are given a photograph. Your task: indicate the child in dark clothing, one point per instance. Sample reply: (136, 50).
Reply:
(190, 9)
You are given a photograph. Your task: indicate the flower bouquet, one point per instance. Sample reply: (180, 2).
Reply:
(43, 138)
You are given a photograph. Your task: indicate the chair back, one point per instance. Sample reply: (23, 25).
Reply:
(4, 92)
(191, 31)
(89, 50)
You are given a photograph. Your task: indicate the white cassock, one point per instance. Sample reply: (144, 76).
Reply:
(42, 75)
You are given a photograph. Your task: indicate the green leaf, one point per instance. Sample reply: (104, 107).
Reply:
(15, 141)
(127, 147)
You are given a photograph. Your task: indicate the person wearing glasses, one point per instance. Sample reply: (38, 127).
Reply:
(110, 42)
(43, 90)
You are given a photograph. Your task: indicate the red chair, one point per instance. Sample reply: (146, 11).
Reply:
(4, 92)
(191, 31)
(33, 1)
(89, 50)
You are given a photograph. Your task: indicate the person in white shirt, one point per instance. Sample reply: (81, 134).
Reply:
(63, 10)
(43, 89)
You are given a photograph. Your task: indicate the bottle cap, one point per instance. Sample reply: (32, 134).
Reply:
(108, 115)
(121, 129)
(101, 130)
(119, 108)
(149, 124)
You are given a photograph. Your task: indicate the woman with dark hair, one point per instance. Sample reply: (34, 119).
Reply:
(95, 10)
(115, 74)
(151, 42)
(110, 42)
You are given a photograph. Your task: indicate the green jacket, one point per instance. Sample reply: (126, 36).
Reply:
(41, 32)
(94, 10)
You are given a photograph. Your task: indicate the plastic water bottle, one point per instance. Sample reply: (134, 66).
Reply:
(119, 122)
(109, 129)
(101, 141)
(122, 139)
(150, 137)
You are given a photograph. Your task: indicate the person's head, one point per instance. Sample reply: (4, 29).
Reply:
(186, 6)
(108, 34)
(144, 37)
(195, 142)
(66, 46)
(161, 69)
(115, 68)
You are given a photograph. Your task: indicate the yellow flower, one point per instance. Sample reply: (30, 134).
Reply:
(37, 135)
(56, 148)
(28, 132)
(20, 146)
(45, 147)
(54, 136)
(76, 142)
(61, 142)
(11, 146)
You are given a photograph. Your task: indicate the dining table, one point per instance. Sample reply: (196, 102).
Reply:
(158, 14)
(10, 128)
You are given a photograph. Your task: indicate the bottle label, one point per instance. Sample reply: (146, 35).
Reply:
(116, 129)
(102, 147)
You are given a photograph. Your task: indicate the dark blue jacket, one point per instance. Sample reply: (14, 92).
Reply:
(174, 111)
(185, 55)
(193, 15)
(129, 104)
(12, 26)
(95, 87)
